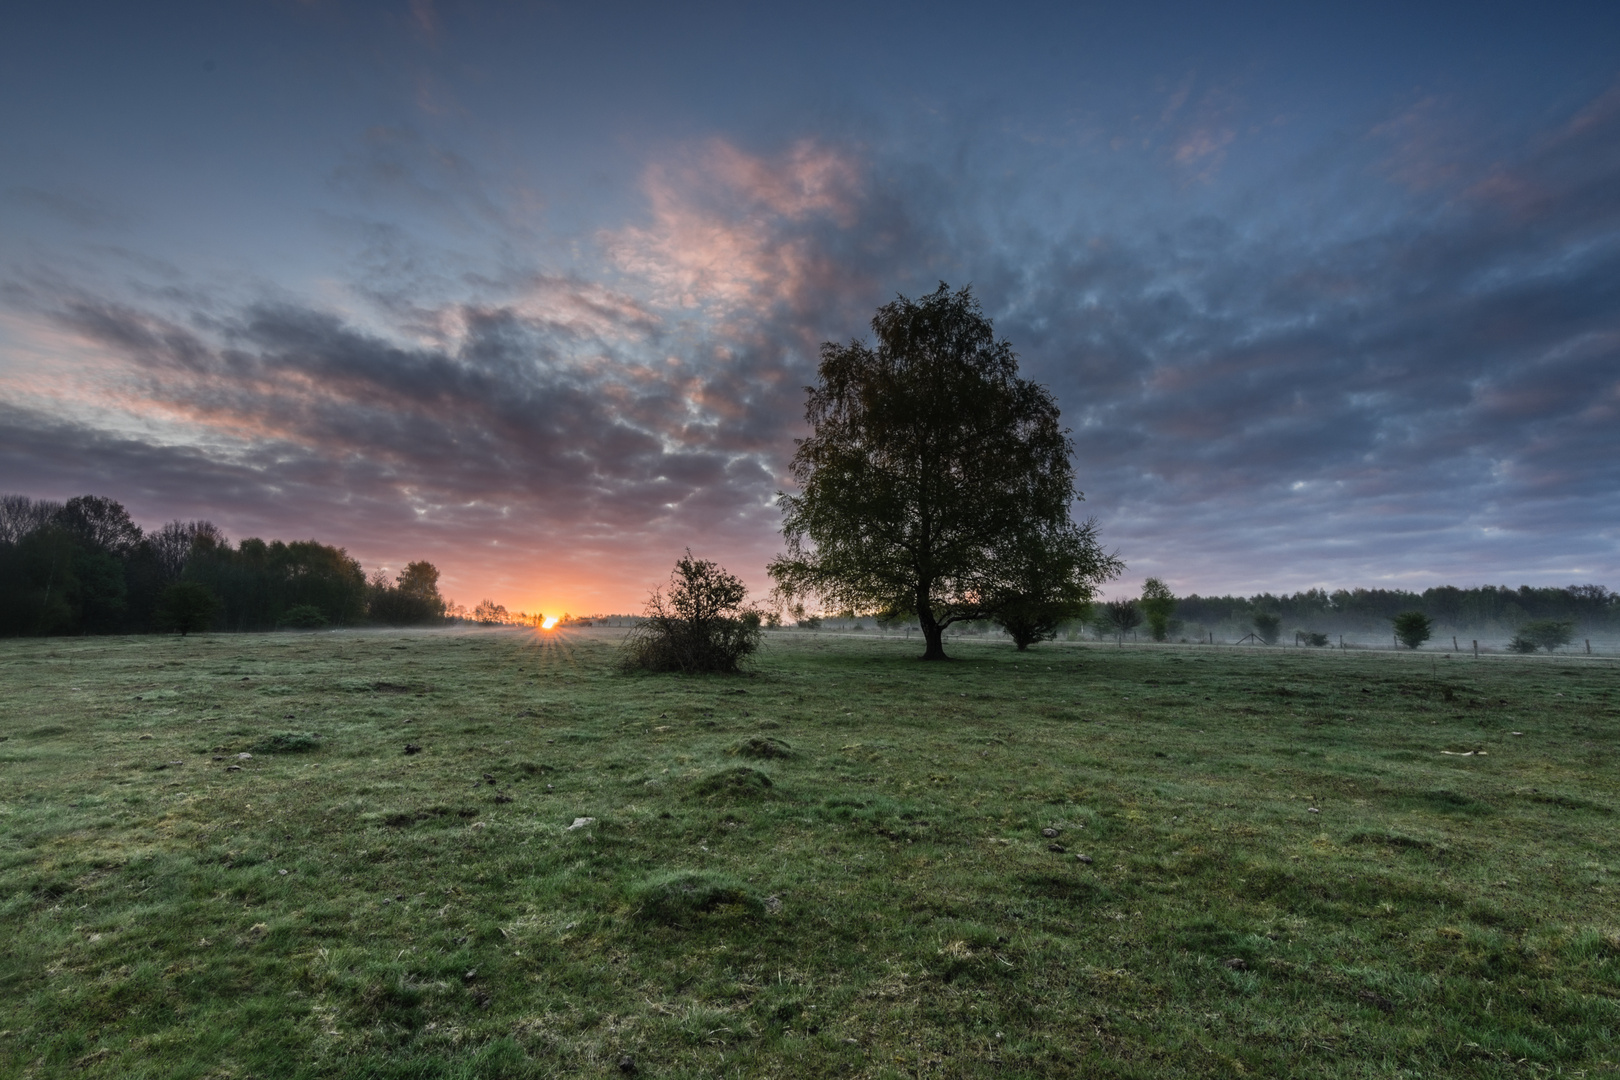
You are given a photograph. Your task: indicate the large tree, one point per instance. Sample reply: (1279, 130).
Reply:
(930, 470)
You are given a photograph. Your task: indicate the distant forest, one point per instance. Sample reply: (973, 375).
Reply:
(1488, 609)
(83, 567)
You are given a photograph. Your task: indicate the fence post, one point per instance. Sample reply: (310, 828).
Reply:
(1588, 646)
(1454, 647)
(1476, 648)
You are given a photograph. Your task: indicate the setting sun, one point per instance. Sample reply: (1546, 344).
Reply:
(548, 622)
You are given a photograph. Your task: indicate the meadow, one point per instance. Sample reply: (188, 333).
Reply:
(491, 854)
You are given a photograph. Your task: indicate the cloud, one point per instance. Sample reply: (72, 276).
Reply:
(72, 206)
(1433, 398)
(1427, 391)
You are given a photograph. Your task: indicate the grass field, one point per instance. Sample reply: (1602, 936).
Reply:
(847, 863)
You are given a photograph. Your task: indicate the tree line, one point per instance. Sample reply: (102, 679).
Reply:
(1487, 607)
(85, 567)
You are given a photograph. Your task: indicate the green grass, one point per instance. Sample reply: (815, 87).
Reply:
(831, 867)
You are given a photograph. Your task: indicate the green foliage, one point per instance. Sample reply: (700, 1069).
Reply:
(1158, 604)
(936, 481)
(261, 582)
(1412, 628)
(1045, 578)
(1314, 639)
(1121, 616)
(302, 617)
(1521, 644)
(412, 599)
(1363, 610)
(1548, 634)
(699, 625)
(1267, 626)
(186, 606)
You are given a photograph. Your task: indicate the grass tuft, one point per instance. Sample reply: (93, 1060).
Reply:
(762, 747)
(676, 898)
(737, 782)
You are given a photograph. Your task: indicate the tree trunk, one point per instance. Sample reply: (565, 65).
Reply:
(933, 633)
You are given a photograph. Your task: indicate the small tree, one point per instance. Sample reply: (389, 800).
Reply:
(1043, 579)
(1548, 634)
(700, 624)
(929, 463)
(1122, 616)
(1412, 628)
(186, 606)
(1267, 626)
(1158, 603)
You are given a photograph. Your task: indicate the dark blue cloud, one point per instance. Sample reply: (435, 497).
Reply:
(1314, 319)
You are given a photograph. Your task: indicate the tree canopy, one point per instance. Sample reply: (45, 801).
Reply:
(1158, 604)
(935, 480)
(1412, 628)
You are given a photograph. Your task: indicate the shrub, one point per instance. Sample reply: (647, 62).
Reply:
(1549, 634)
(302, 617)
(700, 625)
(1521, 644)
(1158, 604)
(1313, 639)
(1122, 616)
(186, 606)
(1412, 628)
(1267, 626)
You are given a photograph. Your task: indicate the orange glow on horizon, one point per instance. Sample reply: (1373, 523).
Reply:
(548, 622)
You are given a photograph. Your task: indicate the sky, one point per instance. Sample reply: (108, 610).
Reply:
(1329, 294)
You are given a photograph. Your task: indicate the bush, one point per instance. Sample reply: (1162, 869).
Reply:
(1412, 628)
(1549, 634)
(1313, 639)
(700, 625)
(1267, 626)
(302, 617)
(186, 606)
(1120, 616)
(1158, 604)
